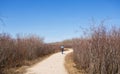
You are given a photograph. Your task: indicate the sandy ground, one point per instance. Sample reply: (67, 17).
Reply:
(52, 65)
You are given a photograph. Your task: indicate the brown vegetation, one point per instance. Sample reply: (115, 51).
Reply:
(67, 43)
(14, 52)
(71, 66)
(100, 53)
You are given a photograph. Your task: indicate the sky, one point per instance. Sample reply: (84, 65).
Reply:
(55, 20)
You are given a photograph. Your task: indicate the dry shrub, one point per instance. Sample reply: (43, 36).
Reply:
(67, 43)
(99, 54)
(14, 52)
(81, 53)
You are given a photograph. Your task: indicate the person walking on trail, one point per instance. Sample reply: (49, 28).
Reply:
(62, 49)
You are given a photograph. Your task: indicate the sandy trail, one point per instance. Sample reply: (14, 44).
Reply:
(52, 65)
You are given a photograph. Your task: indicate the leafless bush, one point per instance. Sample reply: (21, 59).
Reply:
(14, 52)
(99, 54)
(67, 43)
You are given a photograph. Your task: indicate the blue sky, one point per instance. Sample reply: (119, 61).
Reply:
(55, 20)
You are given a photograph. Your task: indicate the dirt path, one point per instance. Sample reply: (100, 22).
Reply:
(52, 65)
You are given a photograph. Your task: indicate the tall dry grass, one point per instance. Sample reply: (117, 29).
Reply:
(99, 54)
(14, 52)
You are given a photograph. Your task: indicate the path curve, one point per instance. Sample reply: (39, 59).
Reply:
(52, 65)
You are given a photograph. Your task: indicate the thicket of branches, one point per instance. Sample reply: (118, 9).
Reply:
(14, 52)
(99, 54)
